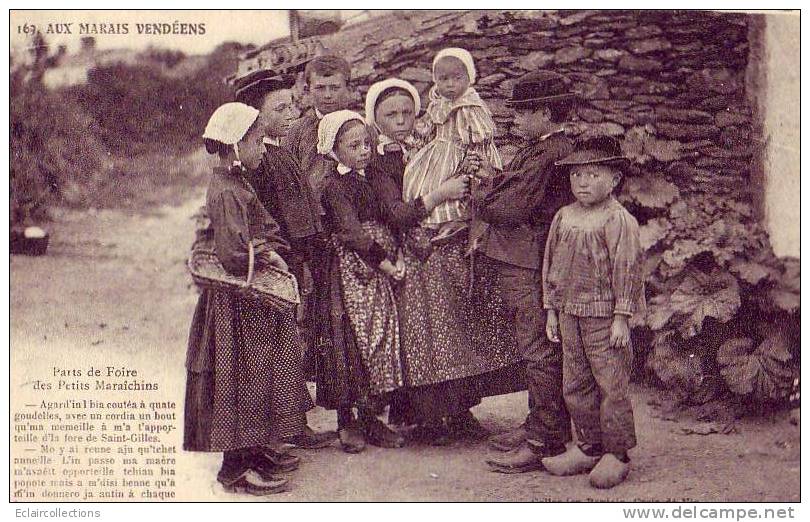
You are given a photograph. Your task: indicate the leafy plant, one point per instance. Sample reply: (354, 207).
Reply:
(710, 274)
(763, 372)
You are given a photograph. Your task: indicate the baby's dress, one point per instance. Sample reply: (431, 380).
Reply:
(458, 123)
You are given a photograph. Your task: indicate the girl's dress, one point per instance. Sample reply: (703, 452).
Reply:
(460, 124)
(456, 345)
(244, 387)
(362, 363)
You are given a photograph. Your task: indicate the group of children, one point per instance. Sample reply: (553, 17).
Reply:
(299, 193)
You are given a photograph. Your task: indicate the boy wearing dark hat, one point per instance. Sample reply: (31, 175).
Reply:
(519, 206)
(327, 78)
(592, 286)
(283, 190)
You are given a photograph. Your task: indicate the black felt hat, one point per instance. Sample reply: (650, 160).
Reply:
(597, 150)
(262, 86)
(540, 88)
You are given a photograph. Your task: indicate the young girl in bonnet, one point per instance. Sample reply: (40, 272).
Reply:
(245, 389)
(463, 123)
(363, 364)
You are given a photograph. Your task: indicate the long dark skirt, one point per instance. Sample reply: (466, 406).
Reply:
(457, 344)
(245, 386)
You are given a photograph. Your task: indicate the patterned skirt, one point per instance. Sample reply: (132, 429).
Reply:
(244, 386)
(371, 356)
(450, 329)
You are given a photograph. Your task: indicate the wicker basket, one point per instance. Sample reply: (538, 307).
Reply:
(271, 286)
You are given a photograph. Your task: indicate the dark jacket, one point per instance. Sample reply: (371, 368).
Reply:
(519, 204)
(385, 177)
(285, 193)
(349, 200)
(302, 142)
(237, 218)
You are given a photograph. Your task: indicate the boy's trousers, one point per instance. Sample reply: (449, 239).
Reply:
(548, 422)
(596, 379)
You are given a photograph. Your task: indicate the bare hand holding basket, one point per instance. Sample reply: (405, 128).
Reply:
(273, 285)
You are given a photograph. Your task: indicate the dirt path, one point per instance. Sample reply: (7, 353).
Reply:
(114, 289)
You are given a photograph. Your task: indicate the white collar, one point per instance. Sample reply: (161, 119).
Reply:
(343, 170)
(272, 141)
(385, 140)
(403, 145)
(318, 114)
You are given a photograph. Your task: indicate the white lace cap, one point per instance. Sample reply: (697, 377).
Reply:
(378, 88)
(230, 122)
(329, 126)
(457, 52)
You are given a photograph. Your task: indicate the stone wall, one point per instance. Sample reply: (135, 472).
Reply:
(679, 73)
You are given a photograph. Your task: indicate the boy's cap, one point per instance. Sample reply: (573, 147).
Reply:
(539, 88)
(598, 150)
(263, 86)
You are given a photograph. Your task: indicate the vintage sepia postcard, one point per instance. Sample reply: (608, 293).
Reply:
(405, 256)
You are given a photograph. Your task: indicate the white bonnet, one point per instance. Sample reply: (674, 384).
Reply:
(378, 88)
(329, 127)
(462, 54)
(230, 122)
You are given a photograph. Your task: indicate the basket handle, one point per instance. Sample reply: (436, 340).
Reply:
(251, 262)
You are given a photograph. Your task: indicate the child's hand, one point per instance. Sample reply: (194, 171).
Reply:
(455, 187)
(273, 259)
(552, 326)
(392, 271)
(620, 332)
(472, 162)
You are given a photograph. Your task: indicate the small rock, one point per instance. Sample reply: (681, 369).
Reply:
(602, 129)
(416, 74)
(729, 119)
(577, 18)
(720, 80)
(535, 60)
(595, 43)
(492, 79)
(571, 54)
(723, 163)
(650, 45)
(732, 137)
(644, 31)
(623, 93)
(633, 63)
(690, 47)
(720, 152)
(609, 55)
(696, 145)
(648, 98)
(620, 118)
(590, 115)
(612, 105)
(683, 115)
(685, 131)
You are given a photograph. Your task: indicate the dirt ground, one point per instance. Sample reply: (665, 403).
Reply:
(114, 289)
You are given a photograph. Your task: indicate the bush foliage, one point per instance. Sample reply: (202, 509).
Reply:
(128, 123)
